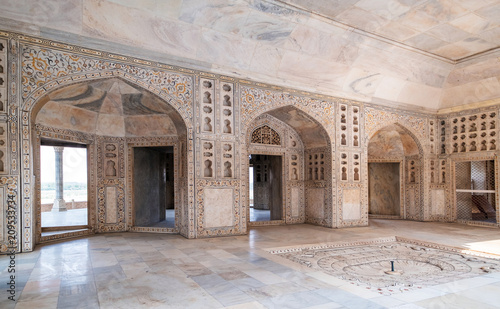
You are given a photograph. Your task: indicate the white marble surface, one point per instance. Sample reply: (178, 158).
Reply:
(218, 207)
(315, 205)
(351, 204)
(310, 45)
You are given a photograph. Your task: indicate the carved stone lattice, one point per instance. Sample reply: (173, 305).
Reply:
(266, 135)
(471, 133)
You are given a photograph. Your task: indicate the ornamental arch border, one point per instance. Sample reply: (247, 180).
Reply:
(30, 107)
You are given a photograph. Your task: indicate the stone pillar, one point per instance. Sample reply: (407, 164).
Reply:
(59, 203)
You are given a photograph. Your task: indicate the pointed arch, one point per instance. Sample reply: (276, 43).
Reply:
(306, 146)
(34, 102)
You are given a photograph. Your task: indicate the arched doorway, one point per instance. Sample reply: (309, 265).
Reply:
(394, 174)
(136, 144)
(288, 146)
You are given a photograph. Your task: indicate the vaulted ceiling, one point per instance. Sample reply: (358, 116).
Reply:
(110, 107)
(421, 54)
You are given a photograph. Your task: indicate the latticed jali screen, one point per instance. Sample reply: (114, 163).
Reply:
(266, 135)
(475, 189)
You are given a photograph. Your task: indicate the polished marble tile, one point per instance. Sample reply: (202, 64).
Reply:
(418, 295)
(233, 274)
(44, 303)
(142, 270)
(347, 299)
(487, 294)
(250, 305)
(453, 301)
(264, 276)
(249, 283)
(387, 301)
(295, 300)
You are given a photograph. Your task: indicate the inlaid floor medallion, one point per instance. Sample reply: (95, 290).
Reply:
(392, 265)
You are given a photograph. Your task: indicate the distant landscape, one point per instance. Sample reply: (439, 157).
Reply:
(72, 191)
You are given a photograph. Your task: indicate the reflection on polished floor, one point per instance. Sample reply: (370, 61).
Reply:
(141, 270)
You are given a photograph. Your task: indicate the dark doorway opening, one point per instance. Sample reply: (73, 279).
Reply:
(154, 187)
(384, 189)
(266, 192)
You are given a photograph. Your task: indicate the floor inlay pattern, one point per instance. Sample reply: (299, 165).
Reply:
(416, 264)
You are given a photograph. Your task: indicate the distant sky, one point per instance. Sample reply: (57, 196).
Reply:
(74, 164)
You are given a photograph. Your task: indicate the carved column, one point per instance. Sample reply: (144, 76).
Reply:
(59, 203)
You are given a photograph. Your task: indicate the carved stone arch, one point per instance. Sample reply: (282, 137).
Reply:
(281, 128)
(312, 201)
(412, 186)
(252, 106)
(35, 100)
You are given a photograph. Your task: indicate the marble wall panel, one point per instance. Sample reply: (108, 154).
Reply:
(115, 210)
(111, 205)
(351, 206)
(315, 203)
(295, 202)
(438, 202)
(384, 189)
(218, 207)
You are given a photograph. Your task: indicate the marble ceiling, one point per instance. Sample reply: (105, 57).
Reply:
(424, 54)
(453, 29)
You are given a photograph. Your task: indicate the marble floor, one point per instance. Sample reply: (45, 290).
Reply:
(169, 221)
(64, 218)
(259, 215)
(142, 270)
